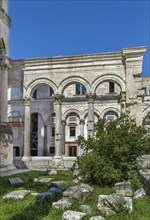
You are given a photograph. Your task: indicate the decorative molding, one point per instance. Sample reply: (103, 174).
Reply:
(123, 96)
(90, 96)
(27, 100)
(5, 63)
(58, 98)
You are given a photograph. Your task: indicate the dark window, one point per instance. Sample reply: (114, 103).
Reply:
(34, 134)
(53, 131)
(80, 89)
(111, 87)
(72, 131)
(53, 118)
(145, 90)
(34, 96)
(16, 151)
(72, 151)
(52, 150)
(51, 91)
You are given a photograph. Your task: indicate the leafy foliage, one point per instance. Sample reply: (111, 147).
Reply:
(111, 155)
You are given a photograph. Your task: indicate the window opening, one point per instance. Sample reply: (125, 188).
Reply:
(51, 91)
(72, 131)
(53, 131)
(80, 89)
(52, 151)
(72, 117)
(110, 116)
(111, 87)
(34, 134)
(53, 118)
(34, 96)
(15, 93)
(72, 151)
(16, 151)
(145, 90)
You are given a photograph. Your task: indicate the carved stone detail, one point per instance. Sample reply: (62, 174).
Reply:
(90, 96)
(27, 100)
(58, 97)
(5, 63)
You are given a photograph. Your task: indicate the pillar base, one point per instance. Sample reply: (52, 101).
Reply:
(58, 162)
(25, 161)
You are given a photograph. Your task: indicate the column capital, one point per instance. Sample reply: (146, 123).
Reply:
(5, 63)
(90, 95)
(27, 100)
(63, 122)
(82, 121)
(123, 96)
(58, 98)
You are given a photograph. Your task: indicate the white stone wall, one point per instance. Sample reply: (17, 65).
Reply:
(95, 72)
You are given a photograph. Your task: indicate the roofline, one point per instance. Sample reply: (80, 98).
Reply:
(85, 55)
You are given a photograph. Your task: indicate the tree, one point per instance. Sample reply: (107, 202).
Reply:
(111, 155)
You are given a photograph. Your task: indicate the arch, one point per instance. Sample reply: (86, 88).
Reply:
(96, 112)
(108, 77)
(146, 120)
(2, 47)
(70, 111)
(39, 113)
(110, 109)
(41, 81)
(73, 79)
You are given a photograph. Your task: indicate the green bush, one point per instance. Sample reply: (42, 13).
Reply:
(111, 155)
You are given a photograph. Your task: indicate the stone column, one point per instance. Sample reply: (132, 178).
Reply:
(90, 97)
(45, 140)
(123, 102)
(58, 128)
(82, 122)
(27, 127)
(63, 136)
(4, 85)
(82, 127)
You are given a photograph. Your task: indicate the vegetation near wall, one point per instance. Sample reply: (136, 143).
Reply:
(111, 155)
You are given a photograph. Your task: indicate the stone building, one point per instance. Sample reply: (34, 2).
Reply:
(51, 101)
(6, 144)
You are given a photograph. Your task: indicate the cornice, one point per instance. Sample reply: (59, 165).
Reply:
(134, 53)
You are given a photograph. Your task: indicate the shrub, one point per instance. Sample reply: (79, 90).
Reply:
(110, 156)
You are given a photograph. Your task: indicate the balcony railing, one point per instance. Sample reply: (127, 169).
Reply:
(15, 119)
(72, 119)
(52, 139)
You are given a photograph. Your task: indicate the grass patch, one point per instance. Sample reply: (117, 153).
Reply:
(30, 209)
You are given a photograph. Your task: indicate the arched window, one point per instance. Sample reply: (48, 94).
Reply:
(42, 92)
(80, 89)
(111, 87)
(110, 116)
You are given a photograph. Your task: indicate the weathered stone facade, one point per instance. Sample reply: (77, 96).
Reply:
(54, 100)
(6, 143)
(51, 101)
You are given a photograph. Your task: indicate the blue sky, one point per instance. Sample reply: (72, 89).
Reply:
(46, 28)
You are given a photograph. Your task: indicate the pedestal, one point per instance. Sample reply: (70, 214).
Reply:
(6, 148)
